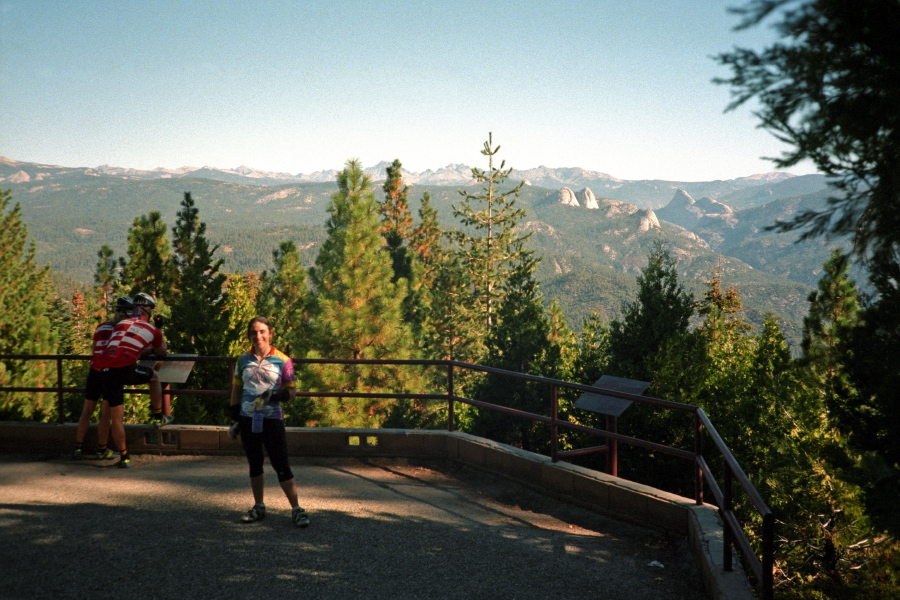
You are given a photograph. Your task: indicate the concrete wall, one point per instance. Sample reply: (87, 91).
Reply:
(588, 488)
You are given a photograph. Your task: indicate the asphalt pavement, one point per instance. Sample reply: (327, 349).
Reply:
(169, 528)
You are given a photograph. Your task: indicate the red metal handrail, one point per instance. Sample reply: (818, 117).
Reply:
(762, 567)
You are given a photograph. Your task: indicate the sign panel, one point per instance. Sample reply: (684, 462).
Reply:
(611, 405)
(172, 371)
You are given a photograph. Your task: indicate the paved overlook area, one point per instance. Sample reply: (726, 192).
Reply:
(168, 528)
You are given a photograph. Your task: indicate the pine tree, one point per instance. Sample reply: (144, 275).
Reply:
(148, 266)
(721, 309)
(396, 220)
(874, 420)
(397, 231)
(443, 302)
(25, 325)
(425, 240)
(834, 315)
(199, 322)
(489, 247)
(83, 323)
(563, 349)
(660, 313)
(286, 300)
(358, 308)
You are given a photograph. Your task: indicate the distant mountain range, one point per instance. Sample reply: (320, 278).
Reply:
(745, 191)
(593, 231)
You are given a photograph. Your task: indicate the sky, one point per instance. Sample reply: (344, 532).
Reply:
(623, 87)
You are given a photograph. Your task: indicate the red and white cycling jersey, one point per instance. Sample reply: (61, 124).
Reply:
(128, 341)
(101, 338)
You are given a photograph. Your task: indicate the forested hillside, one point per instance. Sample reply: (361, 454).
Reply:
(589, 258)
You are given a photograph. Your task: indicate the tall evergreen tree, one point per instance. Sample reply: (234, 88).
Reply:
(443, 302)
(722, 310)
(489, 246)
(358, 308)
(397, 230)
(425, 240)
(286, 299)
(25, 325)
(829, 88)
(83, 323)
(396, 220)
(834, 314)
(198, 320)
(592, 352)
(660, 312)
(148, 266)
(875, 419)
(199, 323)
(776, 425)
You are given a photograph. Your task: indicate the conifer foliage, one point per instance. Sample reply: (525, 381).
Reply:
(660, 313)
(148, 266)
(834, 313)
(199, 320)
(197, 303)
(25, 324)
(396, 224)
(357, 306)
(285, 297)
(490, 247)
(105, 276)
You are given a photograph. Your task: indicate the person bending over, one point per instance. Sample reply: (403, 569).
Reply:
(93, 390)
(131, 340)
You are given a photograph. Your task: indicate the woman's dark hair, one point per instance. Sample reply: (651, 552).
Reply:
(263, 320)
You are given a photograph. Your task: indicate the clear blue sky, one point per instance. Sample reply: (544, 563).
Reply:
(617, 86)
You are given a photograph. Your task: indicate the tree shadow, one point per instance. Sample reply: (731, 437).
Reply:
(169, 529)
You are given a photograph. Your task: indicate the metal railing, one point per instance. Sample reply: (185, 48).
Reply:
(762, 567)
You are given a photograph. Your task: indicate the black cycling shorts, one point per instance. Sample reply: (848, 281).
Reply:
(93, 387)
(114, 380)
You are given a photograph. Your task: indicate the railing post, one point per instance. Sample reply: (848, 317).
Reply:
(728, 535)
(554, 428)
(768, 557)
(698, 454)
(60, 408)
(451, 426)
(612, 454)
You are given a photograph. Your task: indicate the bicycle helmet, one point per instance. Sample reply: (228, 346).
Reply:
(144, 299)
(124, 304)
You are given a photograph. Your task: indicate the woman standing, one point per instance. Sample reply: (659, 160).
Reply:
(263, 379)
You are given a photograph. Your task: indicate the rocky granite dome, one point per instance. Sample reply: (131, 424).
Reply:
(567, 197)
(587, 198)
(685, 211)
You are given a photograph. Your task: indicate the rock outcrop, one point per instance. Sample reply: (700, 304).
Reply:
(587, 198)
(567, 197)
(647, 220)
(687, 212)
